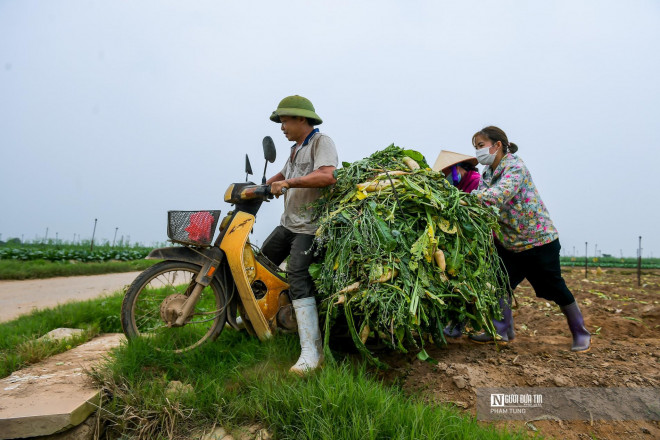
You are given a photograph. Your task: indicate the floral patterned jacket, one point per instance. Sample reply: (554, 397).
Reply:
(524, 219)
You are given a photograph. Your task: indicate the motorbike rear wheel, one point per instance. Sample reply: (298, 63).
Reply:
(146, 309)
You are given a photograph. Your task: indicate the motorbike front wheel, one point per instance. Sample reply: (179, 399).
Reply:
(147, 309)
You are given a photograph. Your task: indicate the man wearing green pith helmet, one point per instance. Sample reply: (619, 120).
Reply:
(310, 167)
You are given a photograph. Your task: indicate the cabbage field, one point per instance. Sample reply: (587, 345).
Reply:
(21, 261)
(71, 253)
(606, 262)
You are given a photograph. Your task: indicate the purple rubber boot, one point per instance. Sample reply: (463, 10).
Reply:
(581, 336)
(453, 330)
(504, 328)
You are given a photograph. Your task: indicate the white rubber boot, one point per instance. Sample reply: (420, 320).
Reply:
(311, 354)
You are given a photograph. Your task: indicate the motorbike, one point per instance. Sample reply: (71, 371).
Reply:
(202, 286)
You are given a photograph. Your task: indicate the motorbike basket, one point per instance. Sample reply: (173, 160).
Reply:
(192, 227)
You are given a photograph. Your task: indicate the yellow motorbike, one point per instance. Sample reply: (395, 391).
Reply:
(203, 285)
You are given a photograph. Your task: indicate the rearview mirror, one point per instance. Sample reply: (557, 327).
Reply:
(269, 149)
(248, 167)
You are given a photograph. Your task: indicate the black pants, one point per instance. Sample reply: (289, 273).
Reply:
(282, 243)
(540, 265)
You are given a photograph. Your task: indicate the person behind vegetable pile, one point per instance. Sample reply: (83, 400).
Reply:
(528, 242)
(461, 171)
(310, 167)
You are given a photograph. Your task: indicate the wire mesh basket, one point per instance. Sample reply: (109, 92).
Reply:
(192, 227)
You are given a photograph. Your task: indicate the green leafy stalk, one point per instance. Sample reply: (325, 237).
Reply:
(385, 236)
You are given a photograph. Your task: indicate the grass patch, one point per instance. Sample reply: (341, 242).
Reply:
(23, 270)
(234, 382)
(238, 381)
(18, 345)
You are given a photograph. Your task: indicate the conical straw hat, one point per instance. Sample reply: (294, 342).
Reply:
(448, 158)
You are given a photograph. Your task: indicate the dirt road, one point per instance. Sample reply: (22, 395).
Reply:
(624, 319)
(21, 297)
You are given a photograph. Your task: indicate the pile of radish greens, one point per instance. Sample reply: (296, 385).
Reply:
(403, 254)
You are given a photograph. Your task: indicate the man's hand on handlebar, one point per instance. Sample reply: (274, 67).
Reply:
(278, 188)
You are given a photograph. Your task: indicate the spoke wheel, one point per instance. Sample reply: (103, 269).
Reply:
(151, 301)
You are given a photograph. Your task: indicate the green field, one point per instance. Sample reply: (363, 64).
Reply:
(629, 263)
(45, 260)
(69, 252)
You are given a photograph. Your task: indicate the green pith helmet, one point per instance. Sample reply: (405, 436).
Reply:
(296, 105)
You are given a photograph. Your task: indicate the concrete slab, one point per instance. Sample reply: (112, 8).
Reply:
(53, 395)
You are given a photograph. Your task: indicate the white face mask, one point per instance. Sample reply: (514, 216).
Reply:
(484, 157)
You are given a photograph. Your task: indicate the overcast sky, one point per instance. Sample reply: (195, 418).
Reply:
(123, 110)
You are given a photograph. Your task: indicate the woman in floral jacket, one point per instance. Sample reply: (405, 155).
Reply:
(528, 242)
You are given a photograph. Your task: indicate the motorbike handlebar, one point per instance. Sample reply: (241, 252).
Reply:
(248, 191)
(264, 190)
(243, 192)
(270, 194)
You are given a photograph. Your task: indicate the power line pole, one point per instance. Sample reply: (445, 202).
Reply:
(93, 233)
(586, 261)
(639, 262)
(113, 240)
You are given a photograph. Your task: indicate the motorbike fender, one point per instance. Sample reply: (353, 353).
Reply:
(234, 245)
(198, 256)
